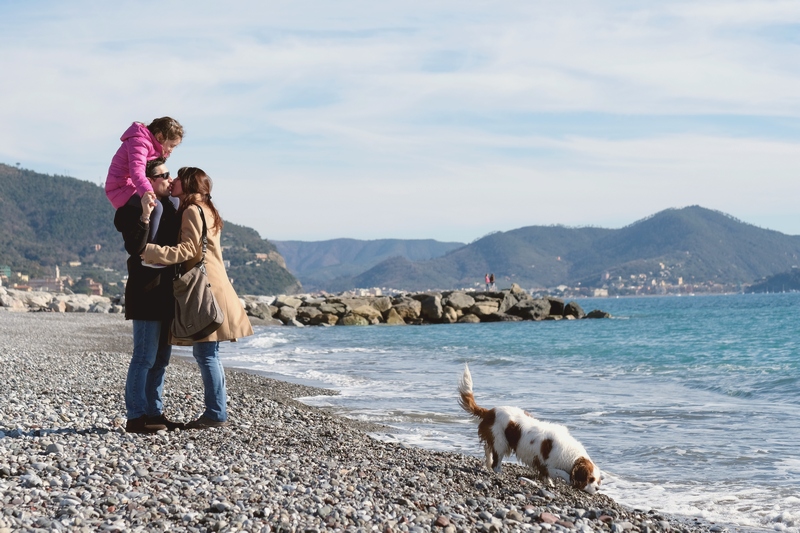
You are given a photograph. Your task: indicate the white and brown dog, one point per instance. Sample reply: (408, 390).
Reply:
(547, 448)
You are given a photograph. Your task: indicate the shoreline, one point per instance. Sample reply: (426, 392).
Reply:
(280, 465)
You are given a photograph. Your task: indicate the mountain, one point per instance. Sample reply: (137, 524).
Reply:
(692, 244)
(318, 262)
(782, 282)
(54, 220)
(48, 221)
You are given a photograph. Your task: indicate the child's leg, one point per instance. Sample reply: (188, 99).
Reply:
(134, 201)
(155, 218)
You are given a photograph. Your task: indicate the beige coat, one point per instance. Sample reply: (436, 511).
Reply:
(189, 251)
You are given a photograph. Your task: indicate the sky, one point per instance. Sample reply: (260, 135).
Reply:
(444, 120)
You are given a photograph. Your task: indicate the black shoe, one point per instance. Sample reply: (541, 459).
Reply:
(204, 423)
(164, 421)
(143, 425)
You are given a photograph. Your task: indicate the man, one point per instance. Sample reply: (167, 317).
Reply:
(149, 303)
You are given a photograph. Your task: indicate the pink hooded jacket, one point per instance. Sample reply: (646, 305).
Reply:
(126, 173)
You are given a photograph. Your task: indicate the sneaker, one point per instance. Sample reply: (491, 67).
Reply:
(163, 420)
(204, 423)
(142, 425)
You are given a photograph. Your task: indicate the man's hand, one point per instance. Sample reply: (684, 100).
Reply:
(148, 203)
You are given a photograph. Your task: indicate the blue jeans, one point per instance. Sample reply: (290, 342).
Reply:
(145, 383)
(215, 396)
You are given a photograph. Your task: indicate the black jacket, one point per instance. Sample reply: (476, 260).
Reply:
(148, 293)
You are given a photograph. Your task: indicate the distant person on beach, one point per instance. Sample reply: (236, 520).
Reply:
(148, 302)
(193, 187)
(491, 282)
(487, 281)
(126, 181)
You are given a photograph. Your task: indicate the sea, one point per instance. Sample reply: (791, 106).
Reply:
(689, 404)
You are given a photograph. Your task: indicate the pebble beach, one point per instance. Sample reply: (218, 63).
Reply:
(67, 464)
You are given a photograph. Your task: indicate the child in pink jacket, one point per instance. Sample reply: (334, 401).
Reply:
(126, 181)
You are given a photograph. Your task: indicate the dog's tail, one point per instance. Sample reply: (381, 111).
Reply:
(467, 399)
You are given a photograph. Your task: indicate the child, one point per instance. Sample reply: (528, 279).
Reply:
(126, 181)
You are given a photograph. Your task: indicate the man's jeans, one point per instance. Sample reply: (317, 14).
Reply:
(145, 382)
(207, 356)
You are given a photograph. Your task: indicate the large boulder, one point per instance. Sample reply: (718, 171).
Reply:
(368, 312)
(285, 300)
(408, 308)
(36, 299)
(458, 300)
(516, 290)
(500, 317)
(307, 314)
(509, 301)
(286, 314)
(597, 313)
(334, 308)
(259, 309)
(325, 319)
(393, 318)
(252, 301)
(381, 303)
(11, 303)
(100, 307)
(449, 315)
(313, 302)
(469, 318)
(351, 319)
(531, 309)
(556, 306)
(484, 308)
(432, 308)
(78, 303)
(349, 303)
(574, 310)
(269, 321)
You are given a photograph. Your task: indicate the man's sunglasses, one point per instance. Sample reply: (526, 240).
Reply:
(165, 175)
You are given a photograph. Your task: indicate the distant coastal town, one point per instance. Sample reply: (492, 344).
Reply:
(642, 284)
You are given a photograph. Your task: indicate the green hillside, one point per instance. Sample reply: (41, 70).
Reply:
(48, 221)
(693, 244)
(782, 282)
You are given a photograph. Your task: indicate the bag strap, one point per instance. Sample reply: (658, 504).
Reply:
(181, 267)
(204, 238)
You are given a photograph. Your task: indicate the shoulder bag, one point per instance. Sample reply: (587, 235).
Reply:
(197, 313)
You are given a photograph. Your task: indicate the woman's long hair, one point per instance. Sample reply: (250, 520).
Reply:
(196, 186)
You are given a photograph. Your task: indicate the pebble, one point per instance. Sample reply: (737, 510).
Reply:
(66, 463)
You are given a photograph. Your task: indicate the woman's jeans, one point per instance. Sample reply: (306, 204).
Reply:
(207, 356)
(145, 382)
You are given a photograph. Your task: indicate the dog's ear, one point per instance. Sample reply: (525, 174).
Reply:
(581, 472)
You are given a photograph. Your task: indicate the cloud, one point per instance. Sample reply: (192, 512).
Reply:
(443, 114)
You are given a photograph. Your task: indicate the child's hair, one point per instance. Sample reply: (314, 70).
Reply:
(151, 165)
(196, 186)
(169, 128)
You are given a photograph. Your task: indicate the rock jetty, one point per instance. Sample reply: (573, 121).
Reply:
(511, 305)
(449, 307)
(22, 301)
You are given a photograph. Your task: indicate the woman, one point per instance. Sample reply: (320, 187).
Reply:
(193, 187)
